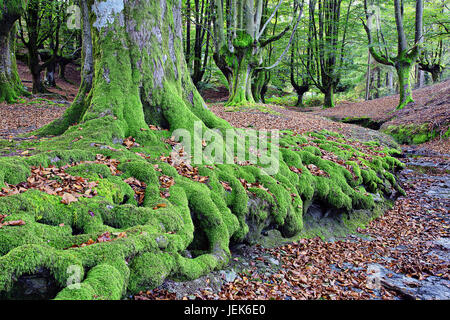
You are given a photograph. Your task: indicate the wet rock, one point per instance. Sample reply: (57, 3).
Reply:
(430, 288)
(229, 275)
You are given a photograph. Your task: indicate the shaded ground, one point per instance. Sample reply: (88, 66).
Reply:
(31, 113)
(67, 90)
(214, 95)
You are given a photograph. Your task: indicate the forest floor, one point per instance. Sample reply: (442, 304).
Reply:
(403, 254)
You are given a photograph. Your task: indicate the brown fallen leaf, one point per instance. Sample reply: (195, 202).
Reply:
(68, 198)
(13, 223)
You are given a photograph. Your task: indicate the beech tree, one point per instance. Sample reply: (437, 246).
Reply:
(10, 85)
(239, 42)
(406, 56)
(38, 23)
(434, 54)
(301, 62)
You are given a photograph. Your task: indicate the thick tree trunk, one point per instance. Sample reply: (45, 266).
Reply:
(50, 69)
(259, 87)
(50, 75)
(436, 75)
(241, 82)
(141, 76)
(301, 90)
(434, 69)
(368, 78)
(35, 69)
(329, 97)
(62, 71)
(10, 85)
(403, 68)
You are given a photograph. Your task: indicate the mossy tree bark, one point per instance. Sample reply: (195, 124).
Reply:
(403, 68)
(260, 85)
(140, 76)
(140, 72)
(239, 45)
(10, 85)
(406, 57)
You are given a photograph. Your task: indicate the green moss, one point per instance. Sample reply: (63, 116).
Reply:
(149, 271)
(103, 282)
(90, 171)
(242, 40)
(201, 217)
(13, 171)
(412, 134)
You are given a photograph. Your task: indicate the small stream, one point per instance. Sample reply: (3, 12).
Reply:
(435, 170)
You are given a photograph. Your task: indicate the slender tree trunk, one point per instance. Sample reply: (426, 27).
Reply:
(203, 20)
(368, 73)
(329, 97)
(377, 92)
(390, 83)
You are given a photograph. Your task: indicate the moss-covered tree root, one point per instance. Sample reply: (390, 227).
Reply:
(190, 234)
